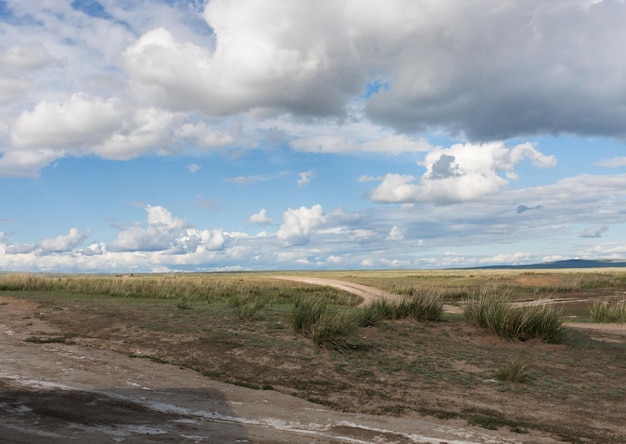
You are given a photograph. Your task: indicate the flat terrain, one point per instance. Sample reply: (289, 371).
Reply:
(111, 368)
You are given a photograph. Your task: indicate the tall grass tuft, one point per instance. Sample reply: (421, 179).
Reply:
(427, 305)
(515, 371)
(421, 305)
(332, 327)
(325, 325)
(492, 311)
(306, 312)
(608, 311)
(247, 307)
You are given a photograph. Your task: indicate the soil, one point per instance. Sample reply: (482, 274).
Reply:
(90, 388)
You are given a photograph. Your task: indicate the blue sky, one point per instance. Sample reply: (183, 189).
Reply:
(187, 135)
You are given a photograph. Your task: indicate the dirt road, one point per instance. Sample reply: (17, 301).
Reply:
(59, 392)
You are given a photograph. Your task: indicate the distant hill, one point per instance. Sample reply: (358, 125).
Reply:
(569, 263)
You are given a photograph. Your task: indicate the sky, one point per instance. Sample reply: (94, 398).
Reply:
(186, 135)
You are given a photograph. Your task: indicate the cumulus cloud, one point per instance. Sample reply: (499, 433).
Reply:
(27, 163)
(205, 135)
(64, 243)
(80, 120)
(159, 233)
(144, 131)
(460, 173)
(298, 224)
(164, 232)
(260, 218)
(59, 244)
(483, 69)
(493, 71)
(254, 63)
(83, 125)
(595, 231)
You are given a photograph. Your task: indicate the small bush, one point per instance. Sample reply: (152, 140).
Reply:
(515, 371)
(607, 311)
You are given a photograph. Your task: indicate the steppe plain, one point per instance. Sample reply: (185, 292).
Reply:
(175, 358)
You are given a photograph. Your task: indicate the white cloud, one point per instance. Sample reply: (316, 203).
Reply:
(518, 257)
(27, 163)
(615, 162)
(25, 58)
(144, 131)
(79, 121)
(459, 173)
(60, 244)
(298, 224)
(160, 234)
(396, 233)
(12, 87)
(305, 178)
(205, 135)
(345, 142)
(63, 243)
(260, 218)
(254, 63)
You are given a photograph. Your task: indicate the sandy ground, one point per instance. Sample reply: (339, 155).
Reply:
(60, 393)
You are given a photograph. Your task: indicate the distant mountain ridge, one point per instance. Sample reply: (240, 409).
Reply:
(568, 263)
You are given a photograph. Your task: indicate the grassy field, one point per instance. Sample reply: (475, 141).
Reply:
(252, 330)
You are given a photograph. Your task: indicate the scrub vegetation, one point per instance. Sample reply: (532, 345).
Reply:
(492, 347)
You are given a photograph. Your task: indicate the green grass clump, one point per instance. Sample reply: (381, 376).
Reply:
(608, 311)
(327, 326)
(332, 327)
(515, 371)
(492, 311)
(421, 305)
(247, 308)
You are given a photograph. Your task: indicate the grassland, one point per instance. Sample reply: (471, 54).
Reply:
(241, 328)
